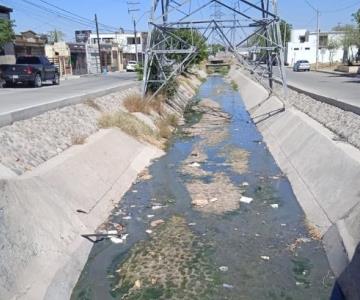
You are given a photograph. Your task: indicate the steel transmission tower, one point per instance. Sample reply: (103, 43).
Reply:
(247, 28)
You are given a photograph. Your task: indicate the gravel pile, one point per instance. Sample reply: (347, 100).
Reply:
(28, 143)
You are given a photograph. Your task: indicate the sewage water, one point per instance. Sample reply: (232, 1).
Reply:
(256, 250)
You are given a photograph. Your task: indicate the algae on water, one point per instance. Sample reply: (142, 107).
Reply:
(173, 264)
(237, 158)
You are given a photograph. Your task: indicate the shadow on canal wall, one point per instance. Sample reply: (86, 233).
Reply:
(324, 173)
(347, 285)
(44, 212)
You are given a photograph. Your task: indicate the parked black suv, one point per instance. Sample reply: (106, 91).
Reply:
(32, 70)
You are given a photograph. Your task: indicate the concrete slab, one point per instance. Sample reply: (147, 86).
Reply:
(40, 228)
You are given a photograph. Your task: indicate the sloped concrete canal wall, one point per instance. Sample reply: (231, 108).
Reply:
(43, 212)
(324, 173)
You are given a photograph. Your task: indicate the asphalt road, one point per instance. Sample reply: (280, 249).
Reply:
(19, 98)
(339, 87)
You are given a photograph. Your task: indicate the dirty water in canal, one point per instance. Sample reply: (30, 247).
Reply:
(213, 219)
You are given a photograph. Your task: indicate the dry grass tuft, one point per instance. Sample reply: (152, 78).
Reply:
(164, 130)
(134, 103)
(78, 139)
(93, 104)
(157, 104)
(314, 232)
(130, 125)
(172, 120)
(164, 125)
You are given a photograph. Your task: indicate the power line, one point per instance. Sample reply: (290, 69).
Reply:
(308, 3)
(333, 10)
(61, 15)
(40, 16)
(342, 9)
(57, 13)
(75, 15)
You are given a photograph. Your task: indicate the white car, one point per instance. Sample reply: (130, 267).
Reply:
(301, 65)
(131, 66)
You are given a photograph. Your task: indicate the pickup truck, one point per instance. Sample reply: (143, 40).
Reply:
(33, 70)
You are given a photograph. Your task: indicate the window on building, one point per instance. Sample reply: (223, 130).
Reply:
(323, 41)
(296, 49)
(307, 48)
(131, 40)
(302, 39)
(4, 16)
(107, 40)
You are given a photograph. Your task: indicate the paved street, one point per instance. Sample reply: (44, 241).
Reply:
(345, 89)
(13, 99)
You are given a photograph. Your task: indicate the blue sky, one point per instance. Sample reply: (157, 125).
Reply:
(114, 13)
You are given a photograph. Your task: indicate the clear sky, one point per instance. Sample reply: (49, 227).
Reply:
(114, 13)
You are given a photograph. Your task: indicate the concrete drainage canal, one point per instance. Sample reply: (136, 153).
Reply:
(213, 219)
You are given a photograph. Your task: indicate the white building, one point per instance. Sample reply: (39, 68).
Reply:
(303, 46)
(111, 58)
(126, 41)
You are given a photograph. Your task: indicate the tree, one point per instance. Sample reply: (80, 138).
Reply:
(351, 37)
(195, 38)
(163, 66)
(356, 18)
(332, 46)
(215, 48)
(56, 36)
(285, 29)
(7, 34)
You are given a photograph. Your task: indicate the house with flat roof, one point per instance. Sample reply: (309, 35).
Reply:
(302, 46)
(126, 41)
(29, 43)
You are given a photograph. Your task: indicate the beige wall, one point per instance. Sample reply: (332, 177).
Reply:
(7, 59)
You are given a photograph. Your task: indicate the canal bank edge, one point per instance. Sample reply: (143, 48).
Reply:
(324, 173)
(45, 211)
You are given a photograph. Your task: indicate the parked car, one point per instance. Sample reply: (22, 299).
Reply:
(33, 70)
(301, 65)
(131, 66)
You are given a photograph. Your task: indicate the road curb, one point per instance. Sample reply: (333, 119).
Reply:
(331, 101)
(28, 112)
(338, 74)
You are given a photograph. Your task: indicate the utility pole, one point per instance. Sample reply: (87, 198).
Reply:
(317, 38)
(131, 11)
(98, 40)
(136, 48)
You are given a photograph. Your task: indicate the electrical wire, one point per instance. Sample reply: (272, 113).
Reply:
(357, 3)
(41, 16)
(66, 17)
(75, 15)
